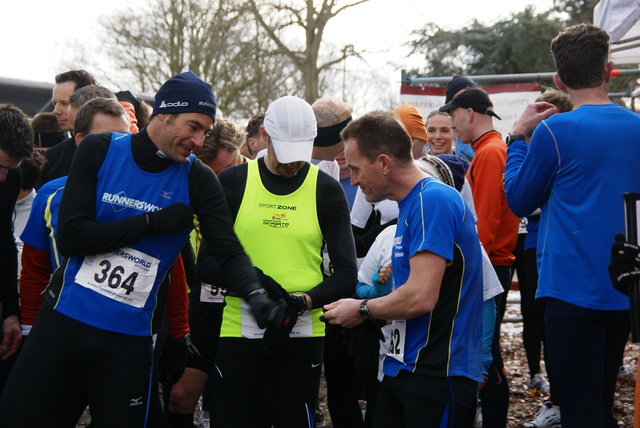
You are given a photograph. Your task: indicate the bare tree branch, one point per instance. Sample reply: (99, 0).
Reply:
(314, 23)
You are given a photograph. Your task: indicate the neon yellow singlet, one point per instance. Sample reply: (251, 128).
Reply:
(282, 236)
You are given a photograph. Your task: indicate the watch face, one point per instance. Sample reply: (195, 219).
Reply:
(515, 137)
(364, 311)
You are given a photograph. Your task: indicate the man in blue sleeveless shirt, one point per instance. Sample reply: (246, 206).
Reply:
(127, 210)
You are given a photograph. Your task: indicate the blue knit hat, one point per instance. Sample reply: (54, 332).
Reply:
(185, 93)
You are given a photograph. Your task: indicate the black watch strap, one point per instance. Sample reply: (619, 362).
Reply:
(514, 137)
(364, 312)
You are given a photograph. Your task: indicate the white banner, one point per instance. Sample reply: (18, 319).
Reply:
(508, 101)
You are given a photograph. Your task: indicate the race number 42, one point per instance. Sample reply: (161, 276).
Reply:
(397, 342)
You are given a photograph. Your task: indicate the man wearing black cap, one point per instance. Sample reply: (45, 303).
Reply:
(126, 213)
(472, 113)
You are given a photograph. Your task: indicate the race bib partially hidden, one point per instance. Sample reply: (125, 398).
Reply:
(212, 294)
(397, 340)
(124, 275)
(250, 329)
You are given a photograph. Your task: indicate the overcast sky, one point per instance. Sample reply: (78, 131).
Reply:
(36, 32)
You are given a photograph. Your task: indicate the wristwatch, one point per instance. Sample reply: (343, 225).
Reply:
(185, 340)
(514, 137)
(364, 312)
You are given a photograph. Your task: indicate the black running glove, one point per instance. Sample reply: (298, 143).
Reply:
(174, 359)
(624, 265)
(265, 310)
(276, 339)
(174, 218)
(289, 301)
(296, 302)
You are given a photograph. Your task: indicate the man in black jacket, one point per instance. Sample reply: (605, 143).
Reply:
(16, 143)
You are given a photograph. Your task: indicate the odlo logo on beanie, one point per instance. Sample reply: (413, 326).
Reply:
(185, 93)
(176, 104)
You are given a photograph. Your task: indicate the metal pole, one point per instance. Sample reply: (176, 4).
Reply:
(407, 79)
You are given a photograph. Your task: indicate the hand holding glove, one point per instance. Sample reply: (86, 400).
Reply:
(295, 303)
(277, 292)
(624, 264)
(265, 310)
(276, 336)
(276, 339)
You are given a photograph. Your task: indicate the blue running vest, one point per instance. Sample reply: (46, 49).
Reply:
(117, 290)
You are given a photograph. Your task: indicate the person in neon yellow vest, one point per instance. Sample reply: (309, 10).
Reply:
(283, 209)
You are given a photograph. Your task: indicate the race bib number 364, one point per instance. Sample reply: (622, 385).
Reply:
(124, 275)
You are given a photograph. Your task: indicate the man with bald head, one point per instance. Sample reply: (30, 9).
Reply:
(332, 116)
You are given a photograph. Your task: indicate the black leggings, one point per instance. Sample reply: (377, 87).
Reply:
(343, 387)
(532, 315)
(495, 394)
(533, 321)
(414, 400)
(585, 352)
(66, 365)
(247, 372)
